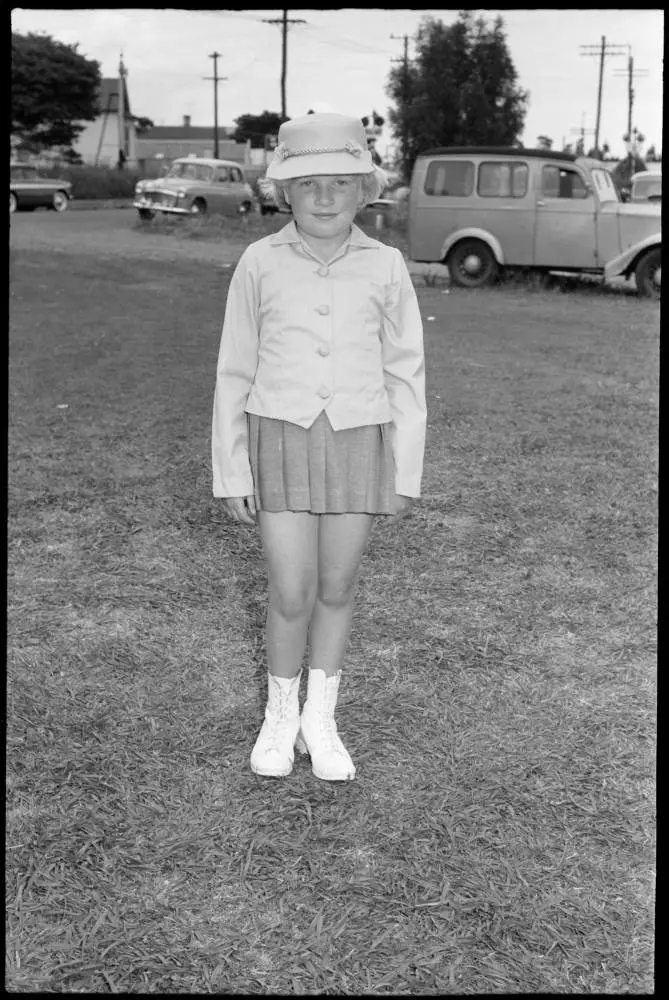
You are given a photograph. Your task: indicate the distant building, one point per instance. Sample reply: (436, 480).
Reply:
(166, 142)
(100, 141)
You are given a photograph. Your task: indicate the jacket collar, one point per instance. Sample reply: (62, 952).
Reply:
(289, 234)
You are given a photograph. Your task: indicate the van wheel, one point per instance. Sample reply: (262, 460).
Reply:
(145, 213)
(472, 264)
(648, 274)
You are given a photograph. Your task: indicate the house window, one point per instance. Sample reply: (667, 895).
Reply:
(503, 180)
(450, 179)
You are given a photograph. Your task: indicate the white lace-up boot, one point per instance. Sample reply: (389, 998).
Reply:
(272, 756)
(318, 735)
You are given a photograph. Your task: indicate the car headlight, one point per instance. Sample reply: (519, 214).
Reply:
(139, 187)
(180, 195)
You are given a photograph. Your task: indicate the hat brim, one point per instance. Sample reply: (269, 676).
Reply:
(315, 164)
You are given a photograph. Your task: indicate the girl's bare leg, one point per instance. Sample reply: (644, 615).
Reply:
(342, 539)
(290, 546)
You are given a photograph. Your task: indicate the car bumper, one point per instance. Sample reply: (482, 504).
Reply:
(153, 206)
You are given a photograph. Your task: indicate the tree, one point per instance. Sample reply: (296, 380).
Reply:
(651, 155)
(256, 127)
(143, 125)
(599, 154)
(544, 142)
(54, 90)
(461, 89)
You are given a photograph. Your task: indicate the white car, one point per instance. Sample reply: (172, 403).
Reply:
(646, 186)
(194, 185)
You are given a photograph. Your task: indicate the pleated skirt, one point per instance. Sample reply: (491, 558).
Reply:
(321, 470)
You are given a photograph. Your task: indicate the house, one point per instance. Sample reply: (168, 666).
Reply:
(100, 141)
(166, 142)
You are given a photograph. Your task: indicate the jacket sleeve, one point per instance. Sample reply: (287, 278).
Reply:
(237, 363)
(404, 375)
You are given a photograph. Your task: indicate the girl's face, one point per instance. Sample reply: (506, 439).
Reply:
(324, 206)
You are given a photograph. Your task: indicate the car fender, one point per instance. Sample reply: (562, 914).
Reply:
(472, 232)
(626, 261)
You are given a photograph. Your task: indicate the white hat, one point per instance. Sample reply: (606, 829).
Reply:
(321, 144)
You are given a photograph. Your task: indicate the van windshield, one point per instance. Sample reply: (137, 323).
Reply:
(606, 189)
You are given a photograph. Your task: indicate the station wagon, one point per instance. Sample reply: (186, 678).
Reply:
(481, 209)
(194, 185)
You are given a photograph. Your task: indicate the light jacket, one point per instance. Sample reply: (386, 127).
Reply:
(300, 336)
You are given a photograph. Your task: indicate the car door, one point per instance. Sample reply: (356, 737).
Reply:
(504, 207)
(221, 190)
(564, 235)
(238, 193)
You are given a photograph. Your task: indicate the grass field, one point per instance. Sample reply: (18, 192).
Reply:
(498, 697)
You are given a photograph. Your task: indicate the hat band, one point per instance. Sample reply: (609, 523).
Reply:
(283, 153)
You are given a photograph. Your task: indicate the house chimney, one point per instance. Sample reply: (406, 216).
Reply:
(186, 121)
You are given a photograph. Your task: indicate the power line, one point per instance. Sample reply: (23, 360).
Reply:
(284, 21)
(603, 50)
(217, 79)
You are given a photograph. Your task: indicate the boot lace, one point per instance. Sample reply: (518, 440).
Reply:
(278, 725)
(327, 728)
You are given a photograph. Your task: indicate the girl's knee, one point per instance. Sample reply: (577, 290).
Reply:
(292, 603)
(335, 593)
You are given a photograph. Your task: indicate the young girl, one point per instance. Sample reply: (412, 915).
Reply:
(319, 419)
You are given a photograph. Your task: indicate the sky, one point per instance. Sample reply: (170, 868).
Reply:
(339, 60)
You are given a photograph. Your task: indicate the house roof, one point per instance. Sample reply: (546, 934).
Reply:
(187, 132)
(108, 96)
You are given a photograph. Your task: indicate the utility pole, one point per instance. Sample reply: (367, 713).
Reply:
(630, 73)
(405, 98)
(603, 50)
(122, 153)
(217, 79)
(582, 133)
(284, 21)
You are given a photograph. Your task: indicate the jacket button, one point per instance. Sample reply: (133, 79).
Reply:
(323, 310)
(323, 351)
(323, 271)
(324, 392)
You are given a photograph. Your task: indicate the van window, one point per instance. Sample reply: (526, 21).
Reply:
(450, 178)
(221, 175)
(562, 182)
(235, 175)
(503, 180)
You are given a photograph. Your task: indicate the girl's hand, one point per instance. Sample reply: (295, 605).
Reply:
(399, 506)
(242, 509)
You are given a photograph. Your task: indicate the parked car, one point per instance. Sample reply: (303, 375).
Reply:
(29, 190)
(194, 185)
(480, 209)
(646, 186)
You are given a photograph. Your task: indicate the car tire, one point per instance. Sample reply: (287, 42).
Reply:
(145, 213)
(13, 203)
(648, 274)
(199, 207)
(472, 264)
(59, 201)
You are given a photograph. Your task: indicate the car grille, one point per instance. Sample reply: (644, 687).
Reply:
(162, 198)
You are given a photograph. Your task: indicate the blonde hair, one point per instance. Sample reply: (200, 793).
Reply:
(372, 186)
